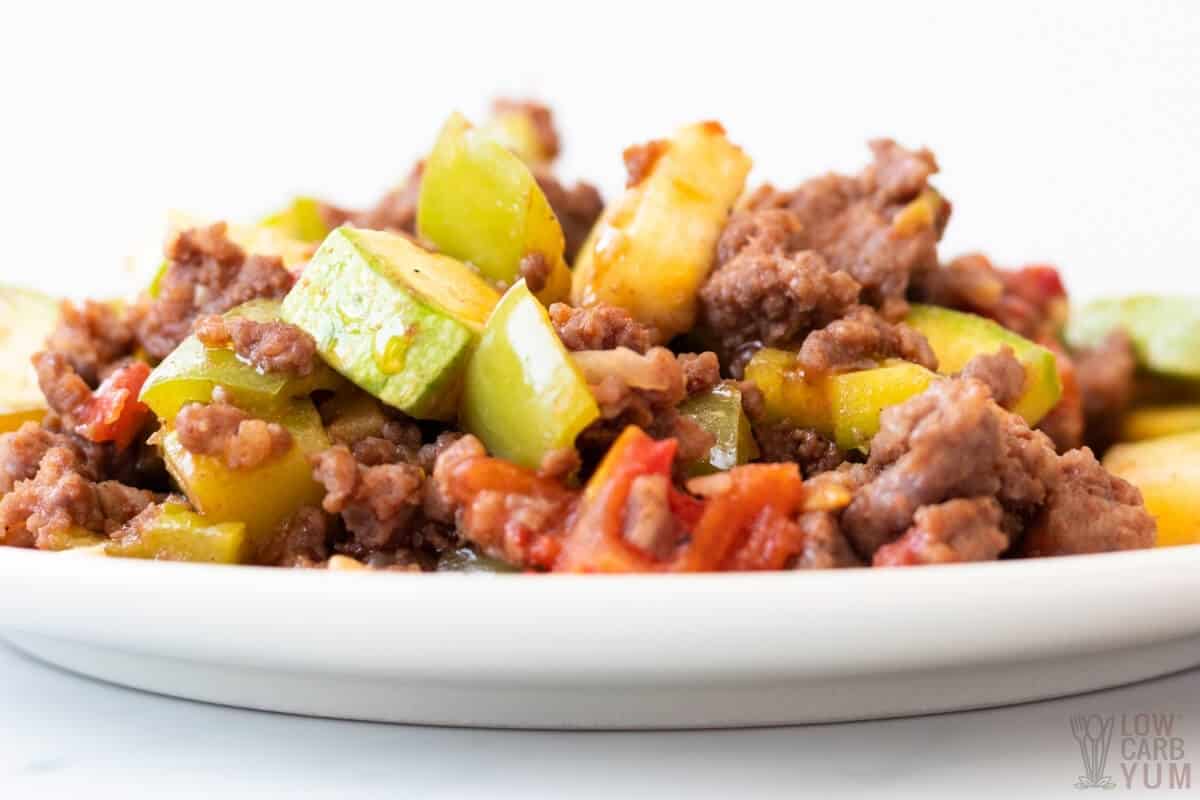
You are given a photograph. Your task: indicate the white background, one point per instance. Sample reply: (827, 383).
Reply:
(1067, 132)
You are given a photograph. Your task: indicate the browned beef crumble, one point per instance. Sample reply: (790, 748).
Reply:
(964, 529)
(22, 451)
(641, 158)
(230, 434)
(1106, 378)
(950, 441)
(267, 346)
(376, 503)
(64, 494)
(766, 295)
(1000, 372)
(849, 220)
(541, 117)
(91, 336)
(825, 547)
(600, 327)
(560, 463)
(1089, 510)
(66, 392)
(208, 274)
(784, 441)
(535, 269)
(701, 371)
(577, 208)
(860, 340)
(649, 524)
(301, 540)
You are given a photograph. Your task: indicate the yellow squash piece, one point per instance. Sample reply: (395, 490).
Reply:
(1157, 421)
(26, 319)
(480, 204)
(177, 534)
(843, 407)
(1167, 470)
(261, 497)
(301, 220)
(654, 247)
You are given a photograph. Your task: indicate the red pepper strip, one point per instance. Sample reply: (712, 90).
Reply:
(113, 413)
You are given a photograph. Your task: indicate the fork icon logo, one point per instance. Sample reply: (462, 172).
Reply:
(1094, 734)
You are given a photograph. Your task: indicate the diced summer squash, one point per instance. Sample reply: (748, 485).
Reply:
(1167, 470)
(1165, 330)
(177, 534)
(26, 319)
(254, 239)
(719, 412)
(654, 246)
(1160, 421)
(72, 538)
(466, 559)
(261, 497)
(191, 372)
(523, 395)
(515, 128)
(301, 220)
(392, 317)
(844, 407)
(479, 203)
(957, 337)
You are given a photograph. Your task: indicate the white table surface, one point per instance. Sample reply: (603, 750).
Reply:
(66, 736)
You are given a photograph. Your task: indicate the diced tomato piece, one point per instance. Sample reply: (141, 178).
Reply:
(114, 414)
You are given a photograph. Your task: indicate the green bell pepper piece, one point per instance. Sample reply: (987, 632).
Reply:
(191, 372)
(523, 395)
(392, 317)
(844, 407)
(719, 411)
(1165, 330)
(957, 337)
(262, 497)
(300, 220)
(177, 534)
(481, 204)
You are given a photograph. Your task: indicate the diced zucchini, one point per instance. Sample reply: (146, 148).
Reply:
(957, 337)
(26, 319)
(177, 534)
(844, 407)
(191, 372)
(1165, 330)
(1167, 470)
(524, 396)
(392, 317)
(262, 497)
(480, 204)
(654, 247)
(719, 412)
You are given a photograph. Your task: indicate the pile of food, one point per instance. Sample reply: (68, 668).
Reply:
(492, 369)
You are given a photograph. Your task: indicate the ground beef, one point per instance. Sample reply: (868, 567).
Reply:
(862, 339)
(1029, 301)
(641, 158)
(950, 441)
(949, 532)
(1089, 510)
(764, 294)
(649, 524)
(268, 346)
(540, 116)
(766, 229)
(226, 432)
(377, 503)
(1106, 376)
(600, 327)
(535, 269)
(300, 540)
(65, 391)
(577, 208)
(849, 220)
(825, 547)
(560, 463)
(91, 336)
(208, 274)
(1001, 372)
(784, 441)
(22, 450)
(64, 494)
(701, 371)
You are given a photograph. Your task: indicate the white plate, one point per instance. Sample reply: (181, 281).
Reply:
(610, 652)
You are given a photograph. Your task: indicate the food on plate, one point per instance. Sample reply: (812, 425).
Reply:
(491, 371)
